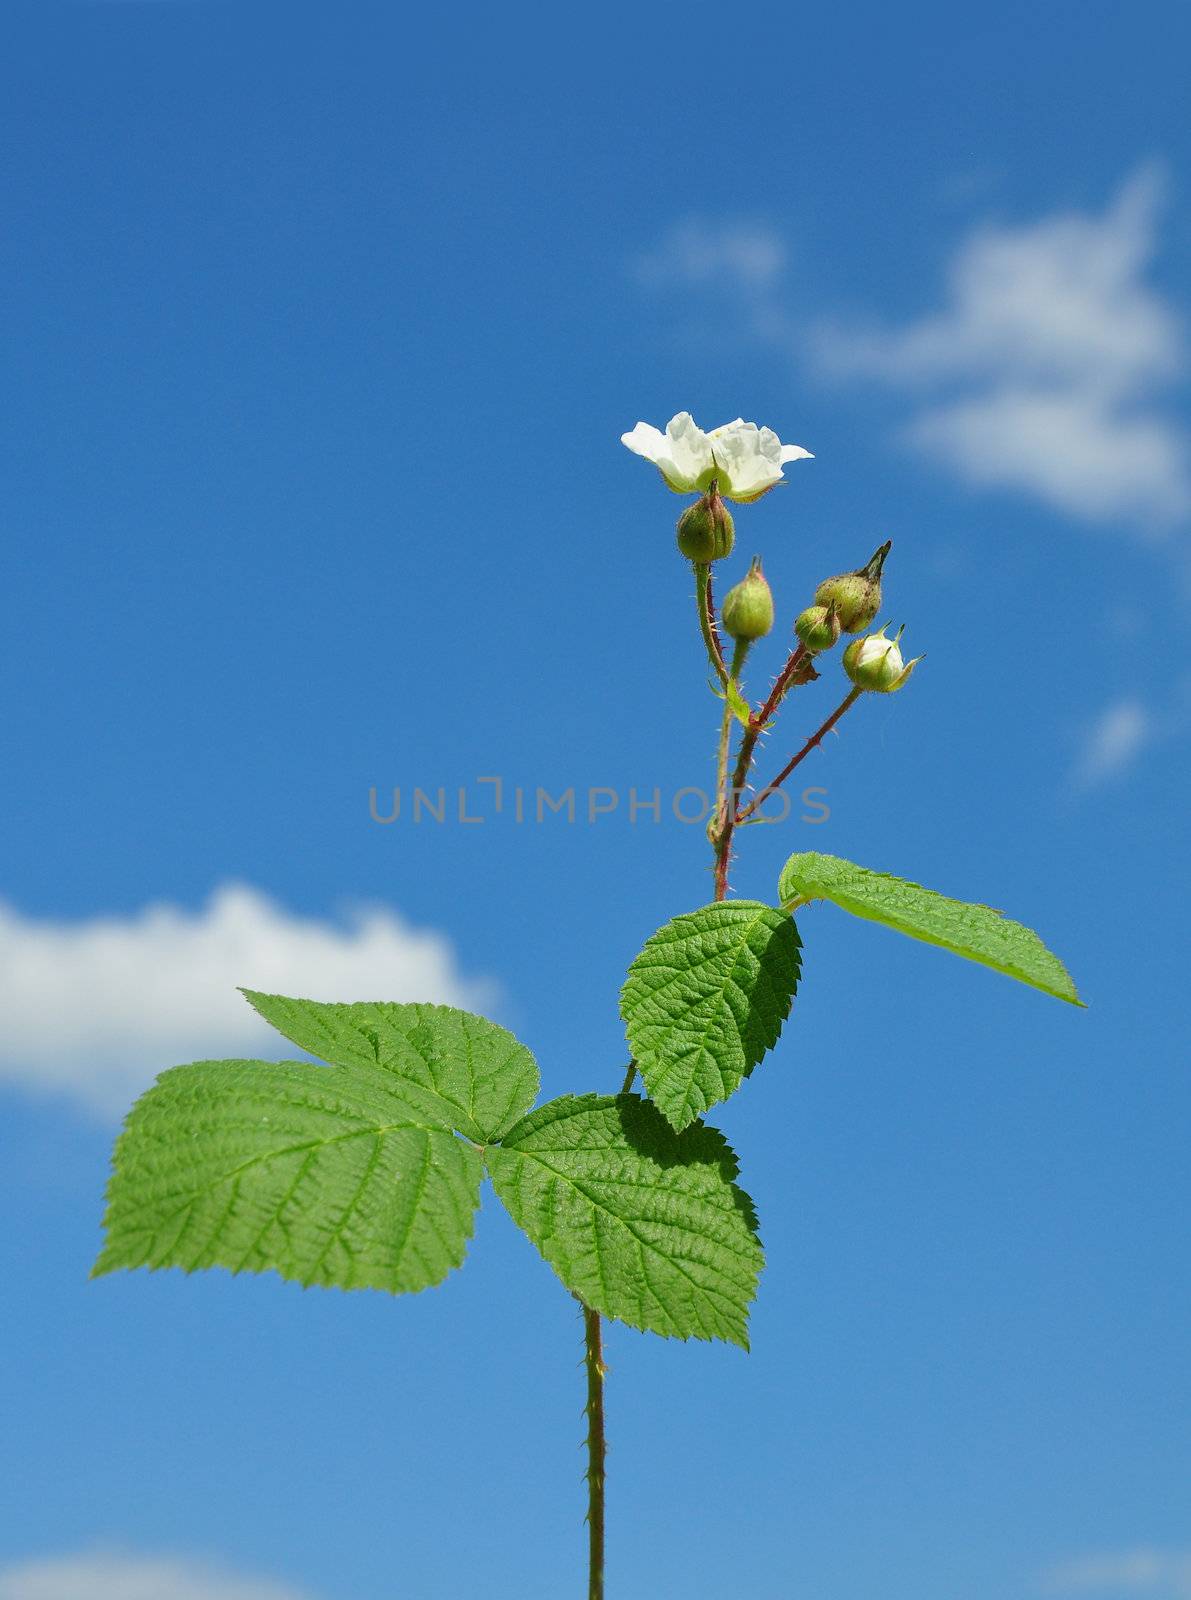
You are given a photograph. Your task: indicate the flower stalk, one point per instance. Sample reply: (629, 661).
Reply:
(724, 800)
(705, 600)
(815, 739)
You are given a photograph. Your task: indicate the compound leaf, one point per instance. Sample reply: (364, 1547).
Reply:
(642, 1223)
(705, 1000)
(459, 1068)
(325, 1175)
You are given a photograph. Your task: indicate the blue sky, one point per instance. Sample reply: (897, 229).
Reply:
(321, 326)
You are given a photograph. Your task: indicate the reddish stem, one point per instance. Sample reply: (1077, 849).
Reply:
(799, 663)
(815, 739)
(782, 682)
(713, 626)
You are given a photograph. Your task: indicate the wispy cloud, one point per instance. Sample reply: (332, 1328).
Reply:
(102, 1576)
(1114, 741)
(699, 253)
(1048, 366)
(1127, 728)
(94, 1008)
(1160, 1574)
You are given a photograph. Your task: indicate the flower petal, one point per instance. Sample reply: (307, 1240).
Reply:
(658, 447)
(748, 463)
(746, 460)
(904, 679)
(645, 441)
(690, 460)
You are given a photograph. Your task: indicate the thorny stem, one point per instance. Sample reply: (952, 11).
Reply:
(596, 1452)
(815, 739)
(597, 1445)
(798, 669)
(597, 1442)
(707, 626)
(722, 798)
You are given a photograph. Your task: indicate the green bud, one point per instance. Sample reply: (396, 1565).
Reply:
(855, 595)
(818, 627)
(705, 530)
(748, 608)
(875, 662)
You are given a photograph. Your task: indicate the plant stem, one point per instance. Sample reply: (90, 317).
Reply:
(798, 669)
(726, 807)
(723, 850)
(596, 1452)
(722, 799)
(707, 625)
(798, 662)
(815, 739)
(597, 1444)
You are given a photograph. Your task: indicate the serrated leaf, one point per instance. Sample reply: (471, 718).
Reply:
(642, 1223)
(458, 1068)
(705, 999)
(976, 932)
(322, 1174)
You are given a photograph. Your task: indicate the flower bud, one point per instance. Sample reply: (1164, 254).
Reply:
(818, 627)
(855, 595)
(748, 608)
(875, 662)
(705, 530)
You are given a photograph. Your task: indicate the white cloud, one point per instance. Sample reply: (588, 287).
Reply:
(1161, 1574)
(94, 1008)
(1047, 367)
(103, 1576)
(699, 253)
(1118, 736)
(1069, 449)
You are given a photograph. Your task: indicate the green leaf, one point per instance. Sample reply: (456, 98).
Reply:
(737, 704)
(457, 1068)
(322, 1174)
(642, 1223)
(705, 999)
(977, 932)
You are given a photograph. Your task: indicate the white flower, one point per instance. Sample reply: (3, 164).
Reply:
(746, 460)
